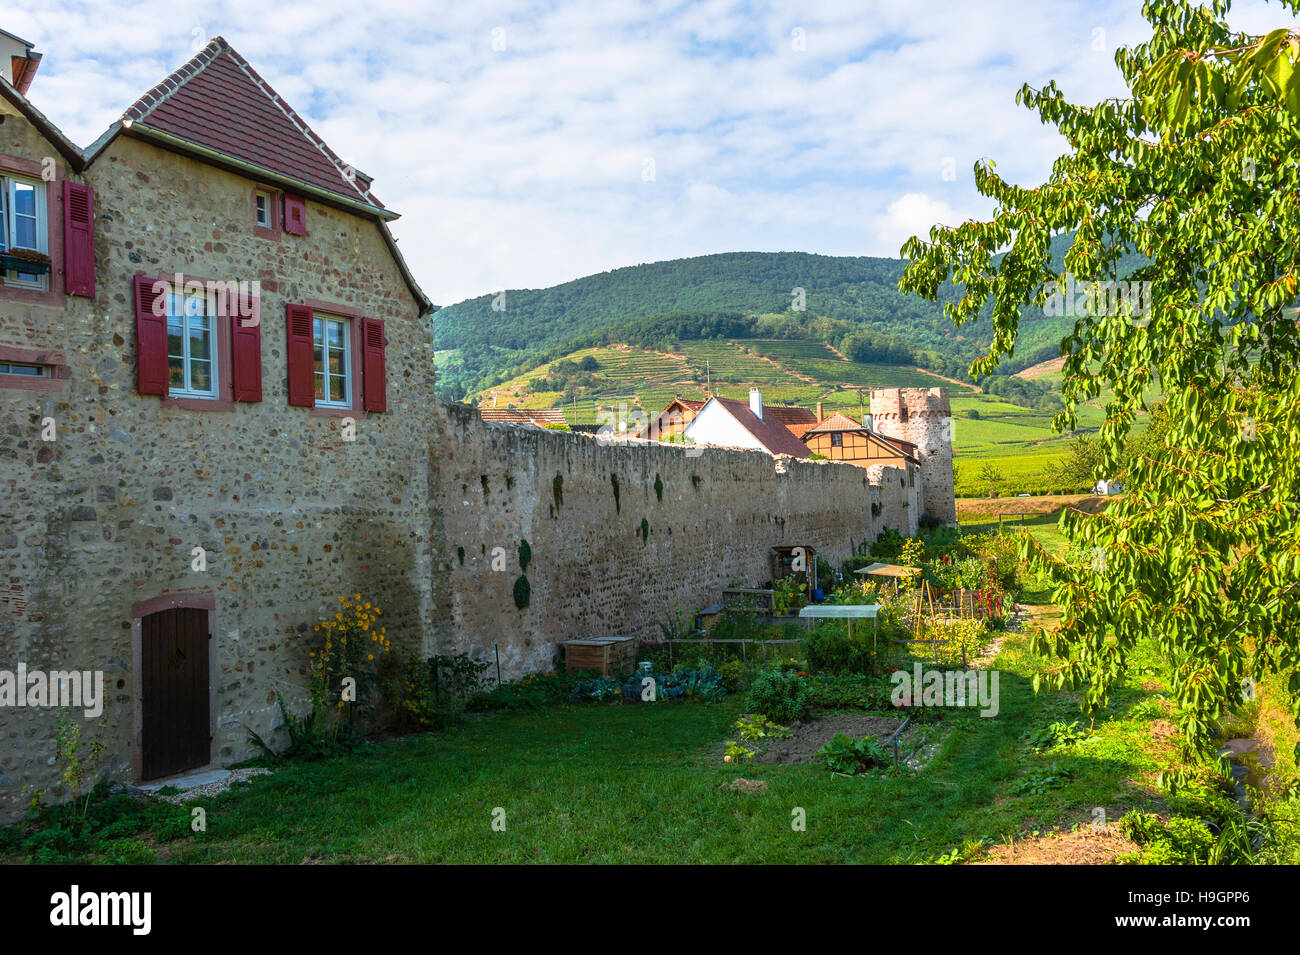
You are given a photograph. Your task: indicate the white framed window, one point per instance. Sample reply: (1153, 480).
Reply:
(262, 207)
(24, 229)
(192, 345)
(332, 342)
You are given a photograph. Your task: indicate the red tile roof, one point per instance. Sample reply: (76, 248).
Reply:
(770, 433)
(536, 417)
(836, 422)
(789, 415)
(218, 101)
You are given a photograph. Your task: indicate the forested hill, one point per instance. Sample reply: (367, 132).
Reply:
(479, 344)
(859, 289)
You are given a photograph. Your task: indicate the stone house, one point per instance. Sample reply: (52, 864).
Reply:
(216, 396)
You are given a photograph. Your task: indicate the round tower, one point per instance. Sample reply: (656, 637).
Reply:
(923, 417)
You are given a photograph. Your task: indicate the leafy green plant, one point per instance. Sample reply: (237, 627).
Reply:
(75, 761)
(529, 692)
(312, 735)
(912, 552)
(849, 691)
(829, 648)
(523, 592)
(753, 728)
(849, 756)
(778, 695)
(788, 595)
(1041, 781)
(1180, 841)
(104, 826)
(735, 752)
(597, 688)
(431, 693)
(1056, 734)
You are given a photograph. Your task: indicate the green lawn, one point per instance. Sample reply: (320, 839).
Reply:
(644, 783)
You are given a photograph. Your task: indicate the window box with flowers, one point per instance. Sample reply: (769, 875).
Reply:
(25, 261)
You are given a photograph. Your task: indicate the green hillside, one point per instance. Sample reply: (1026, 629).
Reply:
(851, 304)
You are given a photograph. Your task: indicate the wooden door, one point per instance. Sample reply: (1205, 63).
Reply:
(176, 732)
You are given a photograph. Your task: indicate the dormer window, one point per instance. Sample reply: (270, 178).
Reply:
(24, 233)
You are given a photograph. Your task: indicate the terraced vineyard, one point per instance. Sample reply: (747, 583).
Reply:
(637, 383)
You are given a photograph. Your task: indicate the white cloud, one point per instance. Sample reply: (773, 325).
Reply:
(913, 214)
(523, 167)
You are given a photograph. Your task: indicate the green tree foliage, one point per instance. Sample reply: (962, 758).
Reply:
(990, 474)
(1203, 552)
(1083, 465)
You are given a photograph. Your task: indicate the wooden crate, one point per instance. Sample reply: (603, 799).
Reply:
(612, 656)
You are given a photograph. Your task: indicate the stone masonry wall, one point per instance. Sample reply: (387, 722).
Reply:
(611, 554)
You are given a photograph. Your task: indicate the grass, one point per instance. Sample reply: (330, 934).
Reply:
(601, 783)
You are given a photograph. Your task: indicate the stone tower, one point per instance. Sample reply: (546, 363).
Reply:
(922, 416)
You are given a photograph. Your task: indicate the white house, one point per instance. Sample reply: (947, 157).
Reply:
(728, 423)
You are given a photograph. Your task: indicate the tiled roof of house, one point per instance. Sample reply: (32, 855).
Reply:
(836, 422)
(654, 426)
(770, 433)
(217, 101)
(535, 417)
(789, 415)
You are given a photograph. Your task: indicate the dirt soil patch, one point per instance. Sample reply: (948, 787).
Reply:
(1085, 846)
(811, 735)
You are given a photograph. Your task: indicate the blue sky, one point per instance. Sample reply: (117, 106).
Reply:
(530, 143)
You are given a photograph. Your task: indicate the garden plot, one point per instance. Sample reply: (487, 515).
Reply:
(808, 736)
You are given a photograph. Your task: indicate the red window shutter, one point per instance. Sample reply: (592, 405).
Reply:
(374, 392)
(151, 371)
(78, 239)
(302, 364)
(246, 348)
(295, 215)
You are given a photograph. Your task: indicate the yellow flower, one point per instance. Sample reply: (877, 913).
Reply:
(357, 597)
(312, 653)
(367, 605)
(370, 656)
